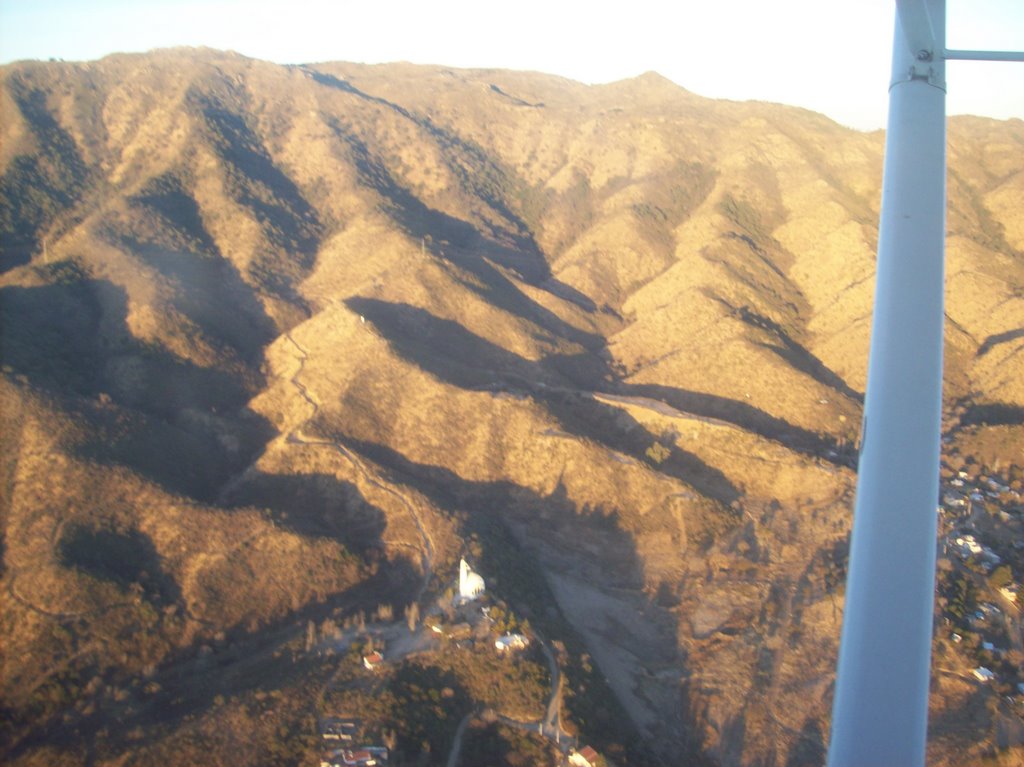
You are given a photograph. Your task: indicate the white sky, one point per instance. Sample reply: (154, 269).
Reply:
(825, 55)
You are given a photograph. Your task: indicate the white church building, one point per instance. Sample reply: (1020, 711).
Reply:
(471, 585)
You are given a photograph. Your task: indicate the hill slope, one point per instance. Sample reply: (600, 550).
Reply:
(279, 340)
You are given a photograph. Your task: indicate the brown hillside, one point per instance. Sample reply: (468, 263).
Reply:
(280, 343)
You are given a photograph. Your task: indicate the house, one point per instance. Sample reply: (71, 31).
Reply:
(997, 487)
(373, 660)
(338, 728)
(510, 642)
(983, 674)
(364, 756)
(358, 758)
(990, 556)
(970, 543)
(585, 757)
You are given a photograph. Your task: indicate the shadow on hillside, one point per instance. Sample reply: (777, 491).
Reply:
(125, 557)
(37, 188)
(999, 338)
(288, 221)
(476, 171)
(316, 505)
(166, 196)
(747, 417)
(456, 356)
(494, 509)
(993, 414)
(810, 750)
(792, 352)
(460, 244)
(209, 289)
(495, 501)
(329, 80)
(293, 223)
(211, 293)
(515, 99)
(453, 354)
(262, 663)
(183, 426)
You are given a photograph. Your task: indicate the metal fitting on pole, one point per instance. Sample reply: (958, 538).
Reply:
(916, 28)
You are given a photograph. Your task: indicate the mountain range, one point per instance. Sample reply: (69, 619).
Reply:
(285, 342)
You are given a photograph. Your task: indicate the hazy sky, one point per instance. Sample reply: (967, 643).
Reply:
(826, 55)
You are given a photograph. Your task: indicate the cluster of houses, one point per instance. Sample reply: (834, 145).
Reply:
(961, 498)
(339, 738)
(475, 625)
(985, 611)
(983, 674)
(963, 495)
(967, 546)
(342, 741)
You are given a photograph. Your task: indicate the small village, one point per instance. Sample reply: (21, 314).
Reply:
(980, 563)
(466, 621)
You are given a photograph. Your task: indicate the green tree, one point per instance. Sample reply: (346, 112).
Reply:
(657, 453)
(961, 595)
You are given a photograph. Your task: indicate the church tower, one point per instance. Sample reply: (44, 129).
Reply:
(471, 585)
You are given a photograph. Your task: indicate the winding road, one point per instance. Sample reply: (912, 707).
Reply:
(550, 726)
(296, 437)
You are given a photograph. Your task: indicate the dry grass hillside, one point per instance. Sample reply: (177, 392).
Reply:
(280, 343)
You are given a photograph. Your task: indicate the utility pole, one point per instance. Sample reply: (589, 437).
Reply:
(880, 709)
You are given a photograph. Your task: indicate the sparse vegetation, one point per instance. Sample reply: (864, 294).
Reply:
(279, 344)
(500, 745)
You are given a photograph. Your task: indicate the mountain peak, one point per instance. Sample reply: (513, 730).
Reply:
(650, 84)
